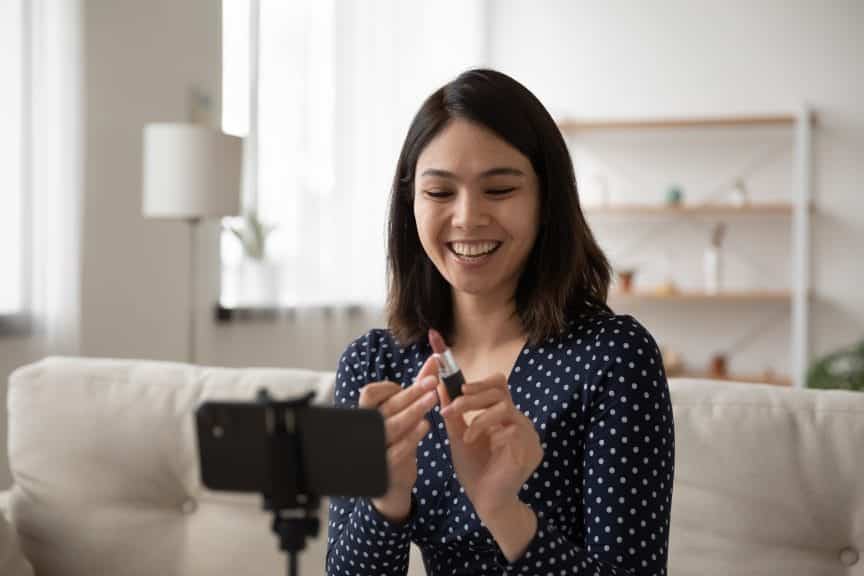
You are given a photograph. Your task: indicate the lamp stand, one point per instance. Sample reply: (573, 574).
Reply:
(193, 276)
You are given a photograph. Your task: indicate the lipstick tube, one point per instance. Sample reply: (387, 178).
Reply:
(450, 373)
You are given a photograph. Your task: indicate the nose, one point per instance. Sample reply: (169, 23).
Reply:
(469, 210)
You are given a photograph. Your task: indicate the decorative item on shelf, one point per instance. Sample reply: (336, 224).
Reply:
(258, 280)
(713, 260)
(674, 195)
(251, 233)
(843, 370)
(739, 195)
(666, 288)
(718, 367)
(625, 279)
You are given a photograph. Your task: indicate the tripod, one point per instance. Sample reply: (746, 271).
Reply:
(292, 453)
(294, 507)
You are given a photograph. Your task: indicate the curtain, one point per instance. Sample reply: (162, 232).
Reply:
(54, 155)
(11, 173)
(337, 86)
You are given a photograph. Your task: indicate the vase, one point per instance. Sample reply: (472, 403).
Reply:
(259, 283)
(718, 366)
(712, 267)
(625, 280)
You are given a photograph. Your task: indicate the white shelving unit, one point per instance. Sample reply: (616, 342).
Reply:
(799, 209)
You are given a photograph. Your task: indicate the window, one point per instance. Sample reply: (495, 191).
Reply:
(337, 84)
(12, 299)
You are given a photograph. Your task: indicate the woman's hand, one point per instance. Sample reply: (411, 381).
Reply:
(404, 414)
(496, 451)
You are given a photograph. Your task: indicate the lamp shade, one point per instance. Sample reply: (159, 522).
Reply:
(190, 171)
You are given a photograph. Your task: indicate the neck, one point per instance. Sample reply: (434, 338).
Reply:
(483, 323)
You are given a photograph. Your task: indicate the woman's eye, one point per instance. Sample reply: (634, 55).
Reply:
(500, 191)
(438, 193)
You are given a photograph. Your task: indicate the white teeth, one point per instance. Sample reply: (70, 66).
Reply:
(474, 248)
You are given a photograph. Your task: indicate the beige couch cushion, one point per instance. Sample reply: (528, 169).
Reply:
(107, 482)
(768, 481)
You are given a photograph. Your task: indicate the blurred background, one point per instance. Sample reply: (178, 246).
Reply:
(718, 151)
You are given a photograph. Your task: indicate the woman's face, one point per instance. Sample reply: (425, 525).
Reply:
(476, 203)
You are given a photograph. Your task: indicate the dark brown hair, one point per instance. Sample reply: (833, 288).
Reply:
(566, 270)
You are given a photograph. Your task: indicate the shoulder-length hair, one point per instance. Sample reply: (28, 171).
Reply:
(566, 270)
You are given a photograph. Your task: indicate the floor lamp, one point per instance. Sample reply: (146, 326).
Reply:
(191, 172)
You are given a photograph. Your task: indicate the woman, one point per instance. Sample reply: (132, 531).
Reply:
(558, 456)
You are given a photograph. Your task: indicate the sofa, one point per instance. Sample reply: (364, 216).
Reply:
(769, 480)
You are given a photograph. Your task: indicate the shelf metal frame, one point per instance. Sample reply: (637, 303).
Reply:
(800, 352)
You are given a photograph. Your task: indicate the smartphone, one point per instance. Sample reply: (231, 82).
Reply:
(342, 451)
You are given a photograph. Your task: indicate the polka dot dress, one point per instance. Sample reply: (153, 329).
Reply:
(599, 399)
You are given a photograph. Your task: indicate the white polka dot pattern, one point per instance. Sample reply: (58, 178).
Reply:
(599, 399)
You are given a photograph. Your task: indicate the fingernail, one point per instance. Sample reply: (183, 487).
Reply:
(429, 382)
(446, 410)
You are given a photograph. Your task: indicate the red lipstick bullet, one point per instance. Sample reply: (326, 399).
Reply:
(448, 370)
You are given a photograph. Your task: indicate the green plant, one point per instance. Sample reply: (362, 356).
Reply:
(843, 369)
(252, 234)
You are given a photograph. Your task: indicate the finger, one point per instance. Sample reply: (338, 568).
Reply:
(502, 436)
(400, 424)
(479, 401)
(443, 395)
(408, 396)
(493, 381)
(372, 395)
(522, 443)
(454, 423)
(429, 368)
(407, 446)
(500, 414)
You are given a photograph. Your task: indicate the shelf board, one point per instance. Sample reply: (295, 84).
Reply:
(773, 379)
(779, 209)
(695, 296)
(576, 125)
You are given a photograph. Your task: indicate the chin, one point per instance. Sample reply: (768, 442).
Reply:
(473, 288)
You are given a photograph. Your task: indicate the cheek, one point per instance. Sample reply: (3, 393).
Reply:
(425, 229)
(420, 219)
(526, 224)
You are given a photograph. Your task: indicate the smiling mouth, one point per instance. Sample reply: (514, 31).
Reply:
(473, 250)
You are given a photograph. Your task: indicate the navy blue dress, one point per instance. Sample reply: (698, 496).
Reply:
(599, 399)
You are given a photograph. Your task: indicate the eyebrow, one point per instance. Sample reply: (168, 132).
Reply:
(500, 171)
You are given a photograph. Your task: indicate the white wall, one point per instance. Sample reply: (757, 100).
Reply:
(587, 58)
(141, 59)
(624, 58)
